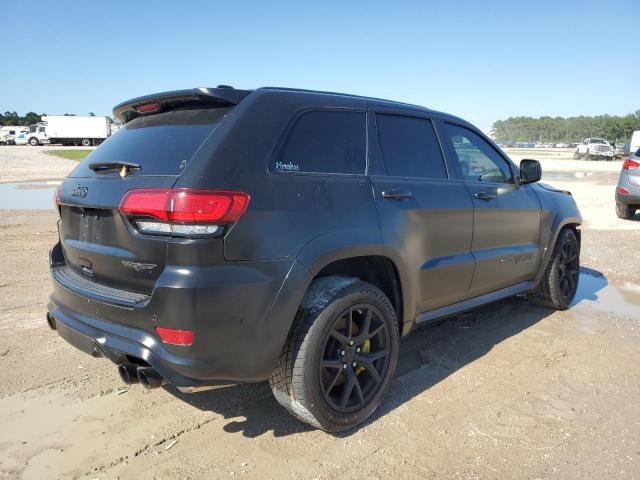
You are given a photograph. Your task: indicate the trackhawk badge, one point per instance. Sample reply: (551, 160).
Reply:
(138, 267)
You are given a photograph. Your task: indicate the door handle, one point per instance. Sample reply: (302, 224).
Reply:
(486, 196)
(396, 195)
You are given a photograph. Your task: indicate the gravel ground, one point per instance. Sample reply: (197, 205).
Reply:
(26, 163)
(511, 390)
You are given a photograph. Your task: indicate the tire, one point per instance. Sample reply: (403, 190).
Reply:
(319, 367)
(576, 155)
(86, 142)
(625, 211)
(560, 281)
(33, 141)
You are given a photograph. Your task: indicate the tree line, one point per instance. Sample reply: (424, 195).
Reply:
(12, 118)
(617, 129)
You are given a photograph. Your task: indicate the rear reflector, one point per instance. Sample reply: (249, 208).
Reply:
(623, 190)
(630, 164)
(175, 337)
(184, 205)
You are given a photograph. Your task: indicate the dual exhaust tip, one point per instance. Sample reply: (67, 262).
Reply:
(148, 377)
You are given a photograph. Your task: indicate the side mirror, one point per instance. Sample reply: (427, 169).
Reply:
(530, 171)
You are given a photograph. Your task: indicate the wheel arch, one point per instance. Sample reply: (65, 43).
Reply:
(375, 265)
(559, 224)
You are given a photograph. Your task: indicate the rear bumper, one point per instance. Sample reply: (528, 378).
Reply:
(240, 314)
(633, 197)
(122, 345)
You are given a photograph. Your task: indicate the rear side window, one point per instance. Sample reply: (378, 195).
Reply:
(410, 147)
(162, 144)
(325, 142)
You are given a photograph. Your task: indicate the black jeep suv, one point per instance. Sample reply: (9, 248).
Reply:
(225, 236)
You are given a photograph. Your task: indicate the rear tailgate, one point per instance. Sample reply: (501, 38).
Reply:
(99, 244)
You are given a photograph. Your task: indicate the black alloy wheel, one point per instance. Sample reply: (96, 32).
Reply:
(355, 358)
(568, 268)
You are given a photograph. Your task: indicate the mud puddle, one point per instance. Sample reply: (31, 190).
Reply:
(619, 298)
(27, 195)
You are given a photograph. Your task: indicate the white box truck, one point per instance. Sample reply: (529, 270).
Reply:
(634, 145)
(70, 130)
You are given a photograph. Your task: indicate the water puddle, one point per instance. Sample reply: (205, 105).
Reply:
(619, 299)
(597, 177)
(27, 195)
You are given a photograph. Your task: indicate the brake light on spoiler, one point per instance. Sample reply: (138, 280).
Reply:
(183, 212)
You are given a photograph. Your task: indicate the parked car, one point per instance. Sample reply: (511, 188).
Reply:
(594, 148)
(620, 151)
(228, 236)
(628, 189)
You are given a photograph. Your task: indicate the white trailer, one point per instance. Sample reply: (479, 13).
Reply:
(634, 145)
(70, 130)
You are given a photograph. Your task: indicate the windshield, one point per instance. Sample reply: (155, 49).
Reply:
(162, 144)
(597, 140)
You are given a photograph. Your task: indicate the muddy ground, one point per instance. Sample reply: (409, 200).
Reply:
(511, 390)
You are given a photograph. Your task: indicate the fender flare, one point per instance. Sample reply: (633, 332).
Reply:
(558, 224)
(340, 245)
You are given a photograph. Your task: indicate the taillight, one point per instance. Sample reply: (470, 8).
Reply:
(623, 191)
(630, 164)
(183, 212)
(175, 337)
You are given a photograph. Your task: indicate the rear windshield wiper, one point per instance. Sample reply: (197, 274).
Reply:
(111, 166)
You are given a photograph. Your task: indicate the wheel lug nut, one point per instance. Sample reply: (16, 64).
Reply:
(344, 365)
(351, 343)
(342, 352)
(353, 364)
(358, 350)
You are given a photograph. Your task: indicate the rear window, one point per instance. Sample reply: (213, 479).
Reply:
(161, 144)
(325, 142)
(410, 147)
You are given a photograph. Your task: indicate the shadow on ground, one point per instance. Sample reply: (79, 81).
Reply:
(434, 352)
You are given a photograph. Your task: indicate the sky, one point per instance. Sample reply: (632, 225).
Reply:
(480, 60)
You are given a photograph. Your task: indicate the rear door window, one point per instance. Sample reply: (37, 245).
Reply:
(325, 142)
(162, 144)
(410, 147)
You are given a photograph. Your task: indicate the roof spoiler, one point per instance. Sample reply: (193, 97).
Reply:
(221, 96)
